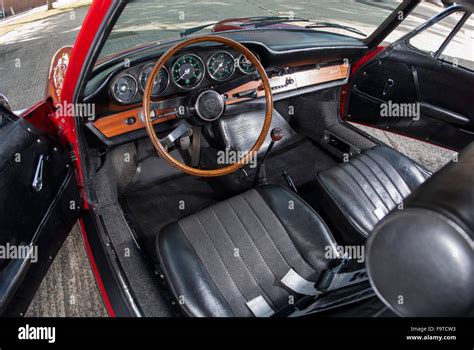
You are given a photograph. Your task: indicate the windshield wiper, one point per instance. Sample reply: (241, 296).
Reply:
(276, 20)
(316, 25)
(192, 30)
(254, 21)
(259, 22)
(267, 21)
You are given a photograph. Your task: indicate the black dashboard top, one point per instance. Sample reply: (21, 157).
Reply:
(275, 49)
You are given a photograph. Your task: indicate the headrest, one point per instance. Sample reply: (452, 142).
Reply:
(420, 259)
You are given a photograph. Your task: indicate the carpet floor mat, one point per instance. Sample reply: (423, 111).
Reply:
(158, 204)
(151, 208)
(301, 162)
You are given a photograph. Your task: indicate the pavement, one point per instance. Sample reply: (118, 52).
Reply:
(430, 156)
(69, 288)
(28, 42)
(27, 47)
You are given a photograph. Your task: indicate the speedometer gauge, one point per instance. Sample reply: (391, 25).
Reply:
(246, 66)
(160, 83)
(221, 66)
(188, 71)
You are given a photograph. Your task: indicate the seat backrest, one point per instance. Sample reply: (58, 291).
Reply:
(420, 260)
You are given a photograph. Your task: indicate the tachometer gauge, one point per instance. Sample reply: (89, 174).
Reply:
(221, 66)
(188, 71)
(124, 88)
(161, 80)
(245, 65)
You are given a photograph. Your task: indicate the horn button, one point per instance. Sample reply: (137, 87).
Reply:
(209, 105)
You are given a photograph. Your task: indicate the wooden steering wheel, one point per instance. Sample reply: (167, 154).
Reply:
(213, 109)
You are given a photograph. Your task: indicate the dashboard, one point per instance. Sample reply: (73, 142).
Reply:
(296, 63)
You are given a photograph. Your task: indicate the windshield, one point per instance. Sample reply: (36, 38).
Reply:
(151, 21)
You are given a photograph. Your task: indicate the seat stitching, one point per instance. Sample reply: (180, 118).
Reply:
(233, 243)
(205, 267)
(396, 171)
(325, 227)
(355, 194)
(271, 239)
(371, 184)
(333, 198)
(358, 185)
(266, 231)
(219, 255)
(254, 277)
(387, 174)
(251, 239)
(388, 177)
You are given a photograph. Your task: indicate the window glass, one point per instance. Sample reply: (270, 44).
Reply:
(151, 21)
(460, 50)
(431, 39)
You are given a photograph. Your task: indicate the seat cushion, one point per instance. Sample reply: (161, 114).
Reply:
(356, 195)
(222, 257)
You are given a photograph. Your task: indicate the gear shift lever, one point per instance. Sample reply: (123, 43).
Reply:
(261, 178)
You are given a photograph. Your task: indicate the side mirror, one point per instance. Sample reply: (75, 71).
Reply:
(4, 102)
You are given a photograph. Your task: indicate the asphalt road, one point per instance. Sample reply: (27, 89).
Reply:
(25, 53)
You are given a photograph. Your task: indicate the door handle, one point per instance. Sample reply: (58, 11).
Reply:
(388, 85)
(38, 178)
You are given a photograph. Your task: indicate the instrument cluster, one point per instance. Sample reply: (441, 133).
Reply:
(185, 72)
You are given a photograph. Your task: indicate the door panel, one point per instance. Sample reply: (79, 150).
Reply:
(441, 94)
(39, 204)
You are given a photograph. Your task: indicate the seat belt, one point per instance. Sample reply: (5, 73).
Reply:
(260, 307)
(334, 278)
(330, 280)
(298, 284)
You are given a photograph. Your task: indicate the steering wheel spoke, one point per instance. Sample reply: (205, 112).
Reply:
(182, 129)
(167, 107)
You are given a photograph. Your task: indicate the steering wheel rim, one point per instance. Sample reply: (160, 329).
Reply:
(149, 122)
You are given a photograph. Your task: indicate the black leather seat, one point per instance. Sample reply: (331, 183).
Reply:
(356, 195)
(222, 257)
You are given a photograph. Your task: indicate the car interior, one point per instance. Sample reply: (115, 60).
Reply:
(255, 241)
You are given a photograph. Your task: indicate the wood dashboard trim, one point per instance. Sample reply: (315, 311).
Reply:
(298, 80)
(116, 124)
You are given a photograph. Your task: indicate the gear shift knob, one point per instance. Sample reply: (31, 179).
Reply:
(276, 134)
(261, 177)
